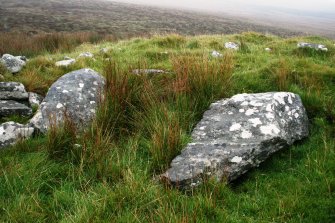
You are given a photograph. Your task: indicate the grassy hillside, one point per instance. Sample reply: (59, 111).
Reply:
(118, 19)
(108, 173)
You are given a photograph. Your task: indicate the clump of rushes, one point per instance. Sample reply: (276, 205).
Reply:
(166, 121)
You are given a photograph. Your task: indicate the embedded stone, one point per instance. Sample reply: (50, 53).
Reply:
(12, 91)
(35, 99)
(65, 63)
(75, 95)
(231, 45)
(237, 134)
(312, 46)
(86, 55)
(10, 107)
(216, 54)
(11, 132)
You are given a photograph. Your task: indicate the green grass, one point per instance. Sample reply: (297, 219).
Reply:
(109, 172)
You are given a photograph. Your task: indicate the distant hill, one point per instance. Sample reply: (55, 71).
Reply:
(118, 18)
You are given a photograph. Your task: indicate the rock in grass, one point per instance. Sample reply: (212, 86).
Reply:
(65, 63)
(231, 45)
(86, 55)
(12, 63)
(9, 107)
(148, 71)
(13, 91)
(237, 134)
(35, 99)
(11, 132)
(312, 46)
(75, 96)
(216, 54)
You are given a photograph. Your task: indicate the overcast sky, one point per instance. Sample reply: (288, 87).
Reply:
(222, 5)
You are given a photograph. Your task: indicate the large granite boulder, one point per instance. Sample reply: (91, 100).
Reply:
(12, 63)
(13, 91)
(237, 134)
(9, 107)
(11, 132)
(75, 95)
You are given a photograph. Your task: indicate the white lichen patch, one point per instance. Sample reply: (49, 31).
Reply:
(270, 130)
(235, 127)
(59, 105)
(202, 128)
(239, 97)
(81, 85)
(236, 159)
(245, 103)
(246, 134)
(65, 91)
(269, 108)
(241, 110)
(250, 112)
(255, 122)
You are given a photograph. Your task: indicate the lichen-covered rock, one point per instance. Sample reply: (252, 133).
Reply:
(9, 107)
(35, 99)
(231, 45)
(12, 91)
(216, 54)
(86, 55)
(11, 132)
(237, 134)
(12, 63)
(75, 95)
(65, 63)
(312, 46)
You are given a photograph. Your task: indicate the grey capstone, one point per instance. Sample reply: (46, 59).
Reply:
(237, 134)
(12, 91)
(12, 63)
(10, 107)
(75, 95)
(11, 132)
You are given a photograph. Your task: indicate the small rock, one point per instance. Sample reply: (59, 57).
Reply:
(76, 95)
(9, 107)
(104, 50)
(312, 46)
(67, 58)
(65, 63)
(231, 45)
(12, 91)
(1, 78)
(148, 71)
(12, 63)
(216, 54)
(35, 99)
(86, 55)
(268, 49)
(11, 132)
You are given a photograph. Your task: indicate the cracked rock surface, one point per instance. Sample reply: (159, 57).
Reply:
(12, 91)
(10, 107)
(11, 132)
(237, 134)
(75, 95)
